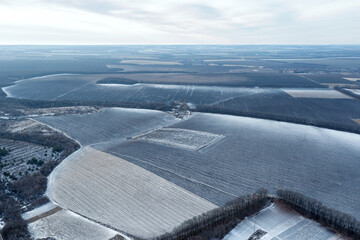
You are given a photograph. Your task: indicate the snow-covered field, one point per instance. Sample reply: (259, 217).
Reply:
(115, 192)
(315, 93)
(257, 153)
(150, 62)
(149, 198)
(183, 138)
(352, 79)
(281, 223)
(66, 225)
(109, 124)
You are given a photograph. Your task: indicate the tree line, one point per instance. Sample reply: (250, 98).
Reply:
(14, 106)
(29, 190)
(347, 92)
(314, 209)
(282, 118)
(10, 211)
(218, 222)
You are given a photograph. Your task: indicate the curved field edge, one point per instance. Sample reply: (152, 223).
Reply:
(109, 124)
(121, 195)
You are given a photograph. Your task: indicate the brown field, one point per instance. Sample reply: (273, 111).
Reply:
(357, 121)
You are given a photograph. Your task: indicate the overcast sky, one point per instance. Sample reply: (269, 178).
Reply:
(179, 22)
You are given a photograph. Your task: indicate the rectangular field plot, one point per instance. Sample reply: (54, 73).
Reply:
(149, 62)
(314, 93)
(182, 138)
(281, 223)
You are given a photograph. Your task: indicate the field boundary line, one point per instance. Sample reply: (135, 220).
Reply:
(181, 176)
(44, 214)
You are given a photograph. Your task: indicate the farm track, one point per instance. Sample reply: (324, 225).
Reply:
(43, 215)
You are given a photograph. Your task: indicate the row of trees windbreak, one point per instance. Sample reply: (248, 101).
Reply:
(218, 222)
(347, 92)
(313, 209)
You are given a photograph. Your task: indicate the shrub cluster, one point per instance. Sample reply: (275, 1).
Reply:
(10, 212)
(3, 152)
(36, 162)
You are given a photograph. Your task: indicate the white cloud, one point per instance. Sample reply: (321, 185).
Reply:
(179, 22)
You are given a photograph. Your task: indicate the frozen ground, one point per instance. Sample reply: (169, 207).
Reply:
(157, 88)
(66, 225)
(257, 153)
(315, 93)
(183, 138)
(122, 195)
(281, 223)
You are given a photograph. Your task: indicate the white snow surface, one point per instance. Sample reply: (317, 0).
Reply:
(66, 225)
(315, 93)
(281, 223)
(122, 195)
(109, 124)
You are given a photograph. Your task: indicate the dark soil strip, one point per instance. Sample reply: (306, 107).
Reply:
(43, 215)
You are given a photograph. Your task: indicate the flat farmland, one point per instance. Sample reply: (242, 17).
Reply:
(257, 153)
(314, 93)
(312, 104)
(84, 88)
(149, 62)
(324, 105)
(122, 195)
(108, 124)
